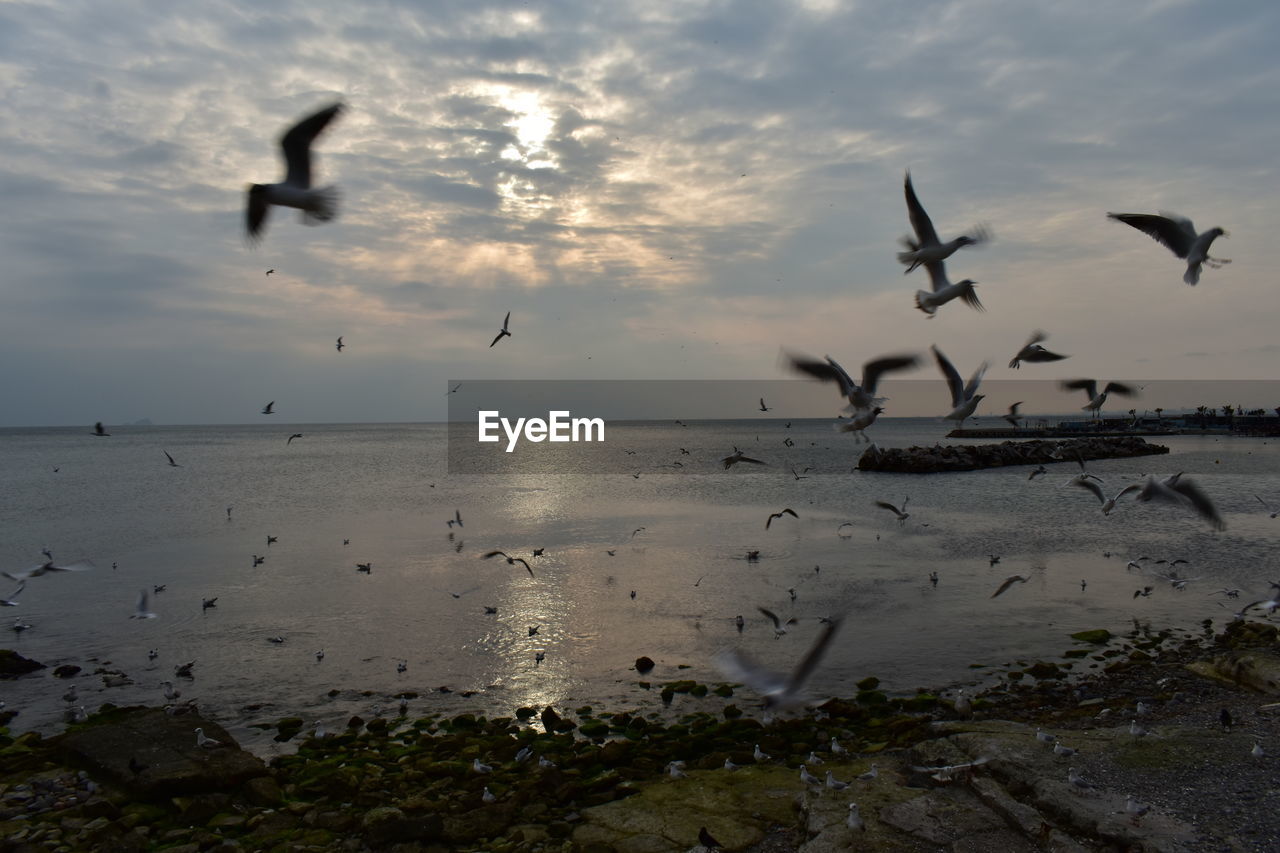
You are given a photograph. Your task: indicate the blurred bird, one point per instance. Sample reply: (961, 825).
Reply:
(503, 333)
(926, 248)
(317, 205)
(1178, 235)
(1033, 353)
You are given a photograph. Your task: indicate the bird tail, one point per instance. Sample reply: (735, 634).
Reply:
(324, 206)
(970, 297)
(924, 301)
(1192, 275)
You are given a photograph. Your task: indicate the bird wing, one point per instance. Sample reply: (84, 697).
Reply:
(21, 586)
(770, 519)
(78, 566)
(872, 370)
(1175, 234)
(296, 145)
(505, 321)
(828, 371)
(739, 667)
(1013, 410)
(810, 661)
(937, 275)
(1090, 386)
(1132, 487)
(1036, 337)
(974, 381)
(953, 378)
(1041, 354)
(777, 623)
(1008, 583)
(1119, 388)
(1200, 501)
(255, 213)
(493, 554)
(142, 602)
(499, 337)
(1086, 483)
(886, 505)
(170, 458)
(969, 297)
(752, 461)
(788, 511)
(920, 221)
(522, 561)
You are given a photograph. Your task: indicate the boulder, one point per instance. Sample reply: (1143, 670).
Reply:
(940, 458)
(13, 664)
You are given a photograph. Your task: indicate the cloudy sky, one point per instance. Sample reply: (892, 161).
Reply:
(654, 190)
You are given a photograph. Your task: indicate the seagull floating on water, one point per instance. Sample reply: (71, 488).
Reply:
(1178, 235)
(317, 205)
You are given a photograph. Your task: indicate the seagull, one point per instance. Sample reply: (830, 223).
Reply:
(763, 407)
(738, 456)
(523, 755)
(926, 247)
(860, 422)
(675, 769)
(488, 796)
(1134, 809)
(1090, 387)
(340, 344)
(270, 271)
(1039, 470)
(183, 670)
(1076, 780)
(539, 657)
(172, 464)
(99, 431)
(271, 539)
(902, 513)
(759, 754)
(870, 774)
(1108, 504)
(457, 518)
(854, 821)
(772, 516)
(258, 561)
(545, 762)
(729, 765)
(1178, 235)
(1268, 506)
(861, 397)
(141, 612)
(480, 767)
(1137, 730)
(511, 561)
(319, 655)
(1013, 417)
(837, 749)
(46, 567)
(1257, 751)
(814, 758)
(1145, 592)
(317, 205)
(504, 333)
(1045, 738)
(1008, 582)
(808, 778)
(780, 690)
(10, 601)
(964, 398)
(1064, 751)
(835, 784)
(292, 437)
(1179, 490)
(1035, 353)
(366, 568)
(269, 408)
(779, 627)
(206, 603)
(206, 742)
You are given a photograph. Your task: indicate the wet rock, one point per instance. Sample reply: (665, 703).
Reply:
(66, 670)
(13, 664)
(1097, 635)
(929, 460)
(644, 665)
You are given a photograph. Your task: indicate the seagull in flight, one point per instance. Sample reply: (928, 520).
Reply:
(859, 423)
(269, 408)
(1009, 581)
(772, 516)
(862, 396)
(511, 561)
(457, 518)
(901, 513)
(1013, 416)
(763, 407)
(926, 248)
(1178, 490)
(292, 437)
(779, 627)
(738, 456)
(1034, 353)
(340, 344)
(964, 398)
(504, 333)
(317, 205)
(172, 464)
(1267, 506)
(780, 690)
(141, 611)
(1096, 400)
(46, 567)
(100, 431)
(11, 601)
(1108, 504)
(1178, 235)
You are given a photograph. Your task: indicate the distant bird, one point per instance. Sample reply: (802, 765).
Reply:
(172, 464)
(738, 456)
(1180, 490)
(1013, 416)
(511, 561)
(47, 567)
(19, 626)
(1033, 353)
(1090, 388)
(339, 346)
(808, 778)
(271, 539)
(457, 518)
(539, 657)
(1008, 582)
(772, 516)
(1063, 751)
(1137, 730)
(780, 691)
(100, 431)
(366, 568)
(759, 754)
(206, 742)
(870, 775)
(504, 333)
(861, 397)
(926, 248)
(480, 767)
(1134, 809)
(258, 561)
(402, 666)
(1178, 235)
(206, 603)
(1076, 780)
(278, 639)
(319, 655)
(487, 796)
(537, 552)
(11, 600)
(779, 626)
(763, 407)
(1108, 504)
(1145, 592)
(141, 611)
(859, 422)
(1040, 469)
(454, 389)
(854, 821)
(270, 271)
(292, 437)
(835, 784)
(902, 513)
(317, 205)
(992, 559)
(269, 408)
(1258, 751)
(964, 397)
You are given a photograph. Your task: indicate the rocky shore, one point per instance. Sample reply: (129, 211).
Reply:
(971, 457)
(134, 779)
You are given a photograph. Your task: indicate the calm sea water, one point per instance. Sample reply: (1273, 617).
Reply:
(385, 487)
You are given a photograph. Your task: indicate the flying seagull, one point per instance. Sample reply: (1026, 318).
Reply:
(504, 333)
(270, 271)
(317, 205)
(780, 690)
(292, 437)
(269, 408)
(860, 396)
(141, 611)
(763, 407)
(1108, 504)
(511, 561)
(1009, 581)
(99, 431)
(779, 626)
(1267, 506)
(1178, 235)
(340, 344)
(964, 398)
(1035, 353)
(1090, 387)
(859, 423)
(457, 518)
(1013, 416)
(902, 513)
(772, 516)
(45, 568)
(943, 291)
(926, 248)
(1179, 490)
(738, 456)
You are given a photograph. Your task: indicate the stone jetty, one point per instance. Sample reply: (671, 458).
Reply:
(971, 457)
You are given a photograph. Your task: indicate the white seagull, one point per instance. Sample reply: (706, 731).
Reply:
(1179, 490)
(780, 691)
(901, 513)
(1096, 400)
(944, 291)
(317, 205)
(1178, 235)
(205, 741)
(141, 612)
(1034, 353)
(964, 398)
(859, 423)
(1108, 504)
(861, 397)
(926, 248)
(46, 567)
(779, 626)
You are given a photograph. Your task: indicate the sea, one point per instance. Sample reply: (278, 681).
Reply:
(651, 561)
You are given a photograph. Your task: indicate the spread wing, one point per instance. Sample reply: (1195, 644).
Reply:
(255, 212)
(1119, 388)
(919, 219)
(937, 275)
(828, 371)
(806, 667)
(974, 381)
(1085, 483)
(953, 378)
(1175, 234)
(1090, 386)
(873, 370)
(296, 145)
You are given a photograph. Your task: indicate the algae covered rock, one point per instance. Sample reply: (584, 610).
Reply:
(1097, 635)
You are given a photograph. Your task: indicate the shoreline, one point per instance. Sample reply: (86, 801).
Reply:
(410, 785)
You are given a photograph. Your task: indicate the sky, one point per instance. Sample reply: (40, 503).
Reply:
(654, 190)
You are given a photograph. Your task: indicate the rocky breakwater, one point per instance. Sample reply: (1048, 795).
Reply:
(971, 457)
